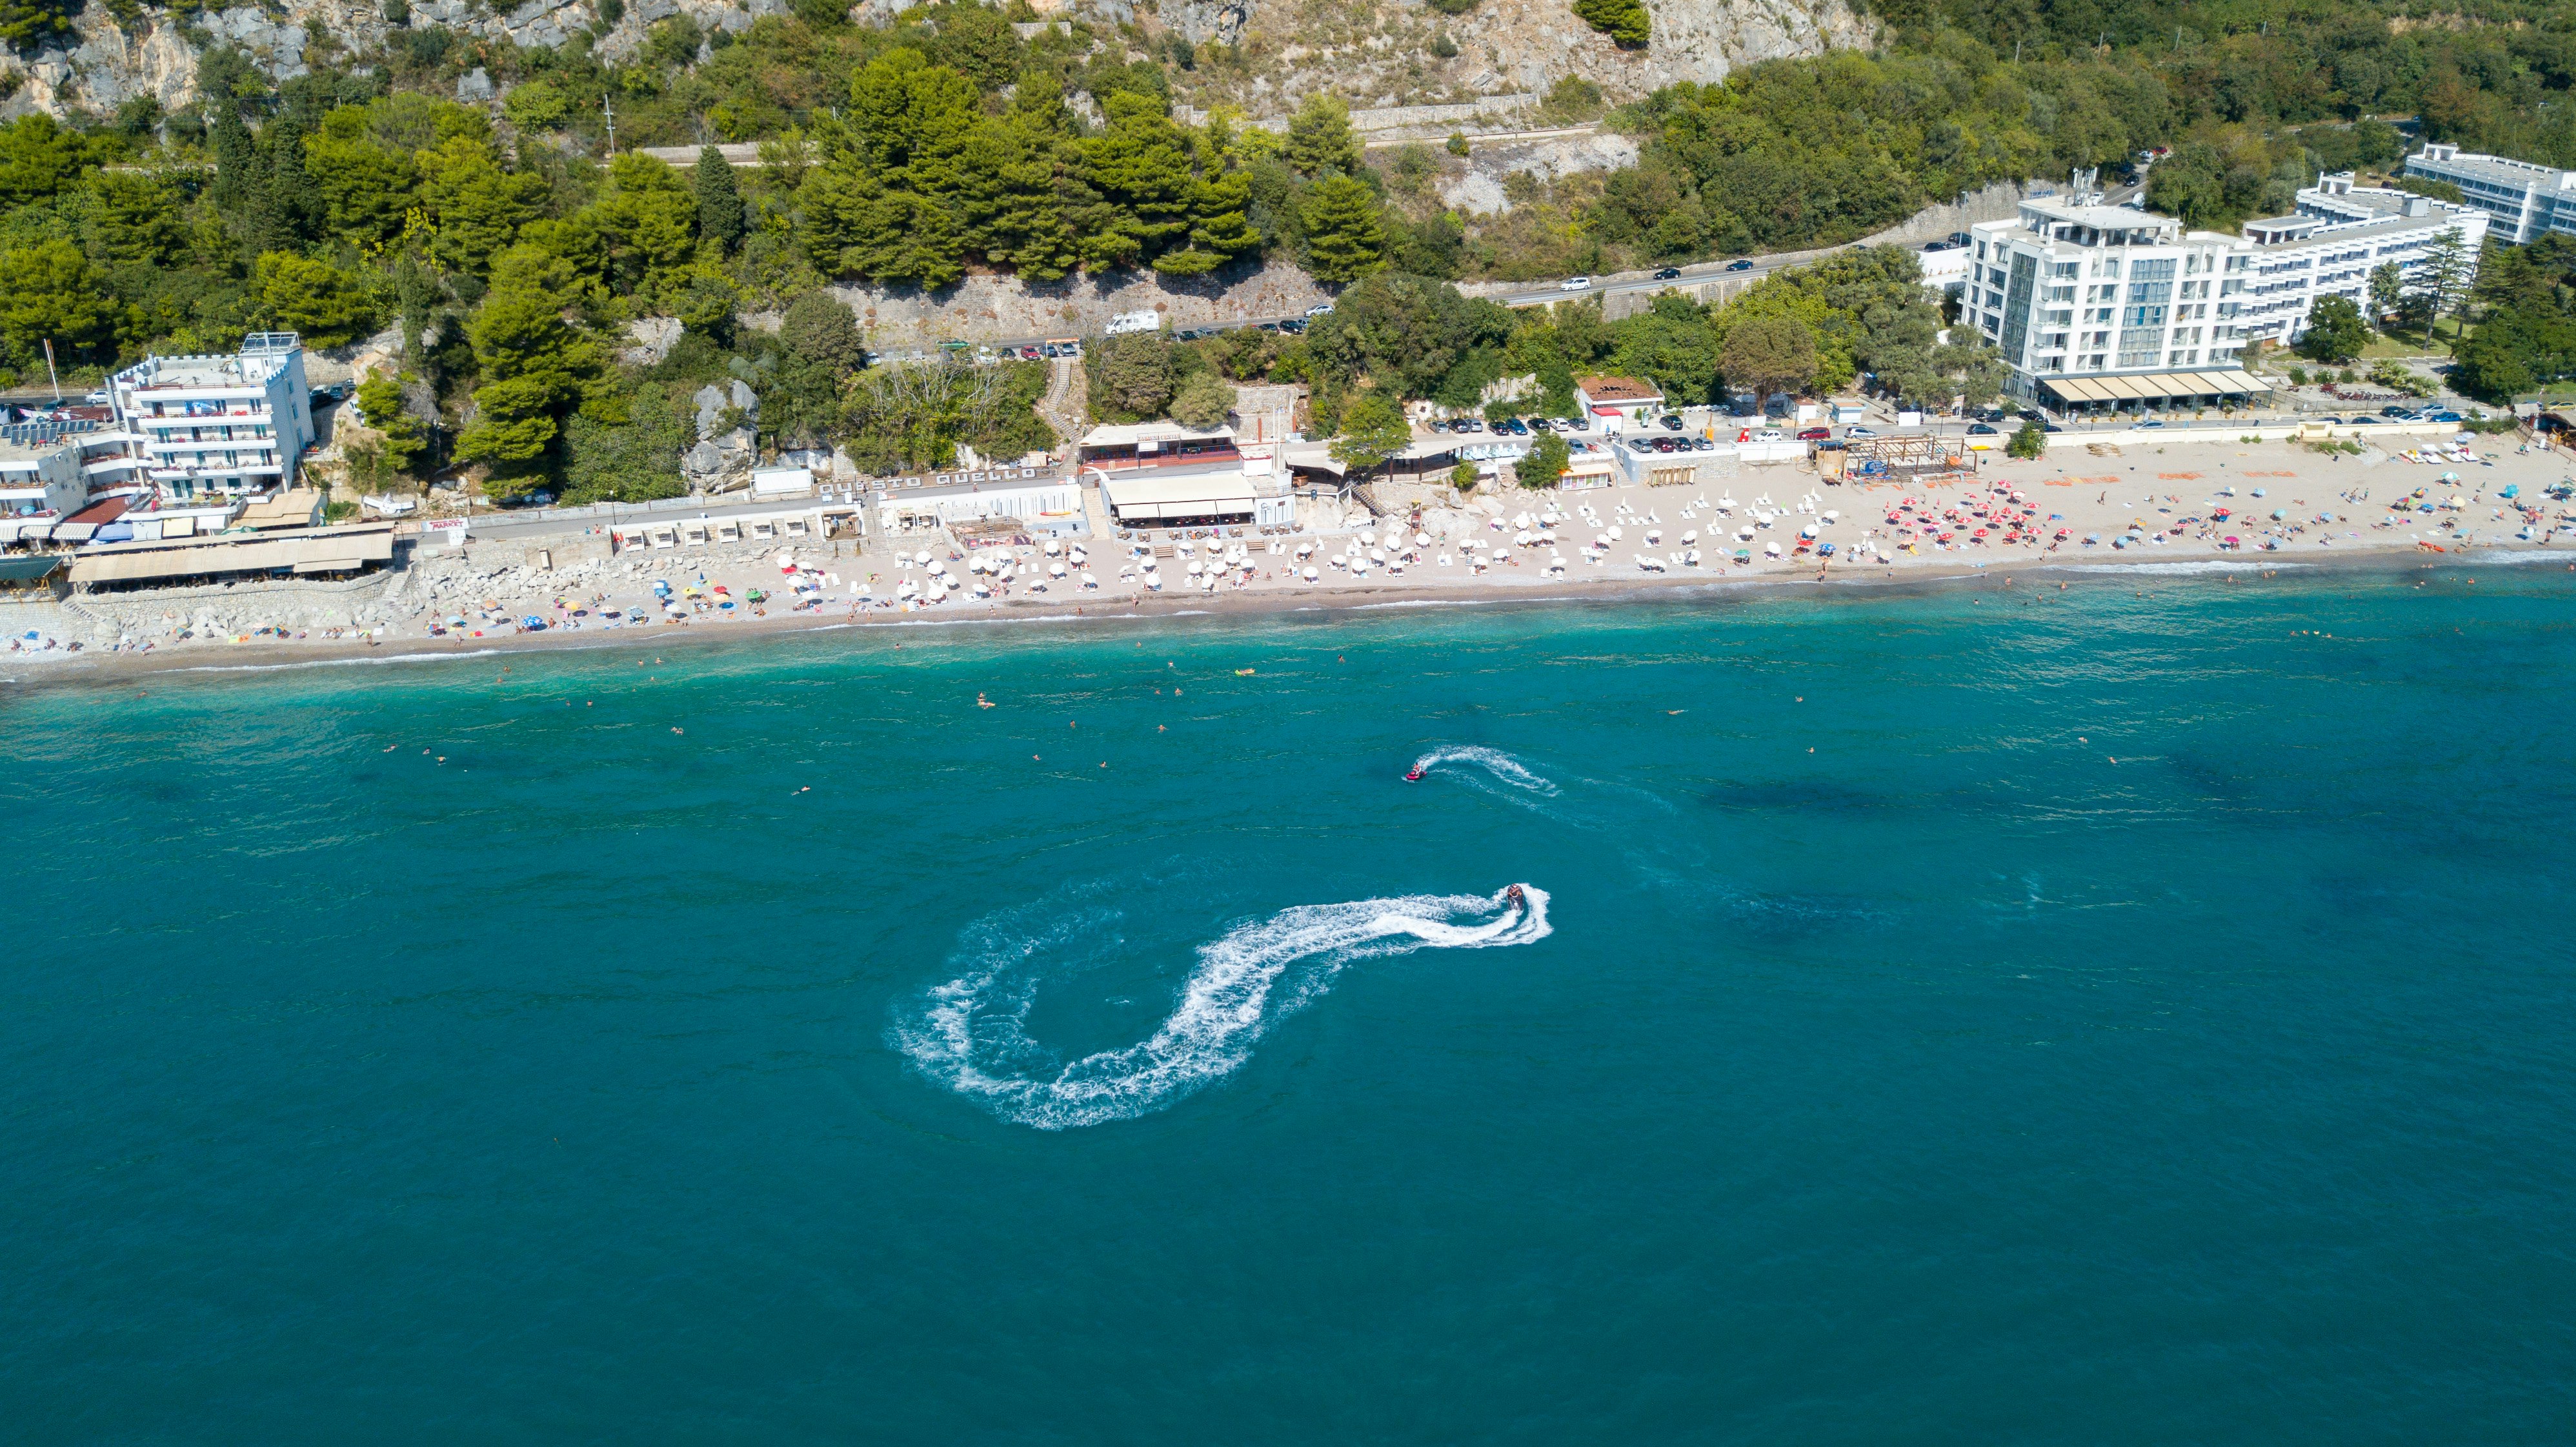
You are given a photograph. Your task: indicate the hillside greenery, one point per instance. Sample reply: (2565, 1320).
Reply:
(511, 253)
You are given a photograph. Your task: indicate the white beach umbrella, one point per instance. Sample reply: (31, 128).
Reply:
(1090, 579)
(1196, 568)
(1654, 536)
(1690, 536)
(1053, 547)
(1311, 575)
(1771, 549)
(1422, 540)
(922, 557)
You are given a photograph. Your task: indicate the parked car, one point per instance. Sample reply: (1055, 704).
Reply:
(2445, 415)
(2146, 426)
(1815, 434)
(1669, 422)
(1859, 432)
(1739, 264)
(1666, 444)
(1668, 273)
(2402, 414)
(1468, 424)
(1575, 283)
(1641, 444)
(1514, 426)
(1293, 324)
(1702, 444)
(2365, 420)
(1320, 309)
(1439, 426)
(2050, 427)
(1979, 429)
(1770, 434)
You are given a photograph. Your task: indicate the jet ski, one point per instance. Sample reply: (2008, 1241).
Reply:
(1413, 776)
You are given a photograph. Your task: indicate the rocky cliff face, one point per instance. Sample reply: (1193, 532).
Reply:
(1374, 52)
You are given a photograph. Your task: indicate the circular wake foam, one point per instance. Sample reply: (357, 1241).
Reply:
(969, 1033)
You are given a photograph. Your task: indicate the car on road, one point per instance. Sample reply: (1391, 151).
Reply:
(1815, 434)
(2146, 426)
(2365, 420)
(1739, 264)
(1859, 432)
(1980, 429)
(1575, 283)
(1320, 309)
(1770, 434)
(2328, 421)
(2050, 427)
(1668, 273)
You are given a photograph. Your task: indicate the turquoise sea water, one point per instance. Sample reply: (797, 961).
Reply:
(757, 1043)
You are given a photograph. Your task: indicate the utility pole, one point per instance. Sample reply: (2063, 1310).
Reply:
(609, 111)
(58, 382)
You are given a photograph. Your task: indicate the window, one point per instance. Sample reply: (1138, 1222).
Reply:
(2140, 349)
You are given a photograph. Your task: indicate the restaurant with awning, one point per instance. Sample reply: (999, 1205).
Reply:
(302, 553)
(2146, 391)
(1192, 500)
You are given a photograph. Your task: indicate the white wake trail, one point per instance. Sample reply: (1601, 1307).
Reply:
(969, 1034)
(1499, 766)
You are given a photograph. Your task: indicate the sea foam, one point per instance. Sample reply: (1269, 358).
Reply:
(969, 1034)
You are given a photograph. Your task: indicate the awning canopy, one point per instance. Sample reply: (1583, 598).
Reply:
(1148, 499)
(17, 572)
(311, 554)
(2120, 387)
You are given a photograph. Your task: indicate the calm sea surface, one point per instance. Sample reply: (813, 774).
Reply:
(2141, 1014)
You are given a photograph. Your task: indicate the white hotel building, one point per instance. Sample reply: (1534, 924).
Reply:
(235, 426)
(2523, 198)
(2106, 308)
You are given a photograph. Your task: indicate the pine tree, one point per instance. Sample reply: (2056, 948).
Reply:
(1320, 139)
(1345, 239)
(720, 216)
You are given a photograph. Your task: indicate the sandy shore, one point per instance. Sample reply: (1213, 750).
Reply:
(2335, 512)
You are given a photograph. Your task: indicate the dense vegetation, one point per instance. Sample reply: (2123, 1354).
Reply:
(358, 197)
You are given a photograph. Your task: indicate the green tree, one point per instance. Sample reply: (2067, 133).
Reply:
(1465, 476)
(1373, 430)
(1545, 463)
(2387, 284)
(720, 213)
(535, 365)
(1131, 377)
(28, 23)
(1623, 21)
(38, 159)
(134, 218)
(1345, 239)
(1319, 138)
(49, 291)
(477, 206)
(2444, 276)
(319, 302)
(1203, 401)
(2028, 441)
(820, 328)
(2335, 333)
(366, 186)
(380, 406)
(637, 460)
(1769, 354)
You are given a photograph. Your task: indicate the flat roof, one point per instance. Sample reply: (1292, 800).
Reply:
(318, 551)
(1130, 434)
(1195, 495)
(1618, 389)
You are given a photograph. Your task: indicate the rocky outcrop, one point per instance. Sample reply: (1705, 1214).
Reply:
(723, 457)
(1377, 53)
(985, 307)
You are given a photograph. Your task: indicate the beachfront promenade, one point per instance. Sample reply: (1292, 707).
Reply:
(2154, 497)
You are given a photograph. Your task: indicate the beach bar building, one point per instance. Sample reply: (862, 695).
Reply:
(233, 557)
(1617, 399)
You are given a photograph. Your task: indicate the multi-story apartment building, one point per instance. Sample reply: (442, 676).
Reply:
(2110, 308)
(2523, 199)
(207, 425)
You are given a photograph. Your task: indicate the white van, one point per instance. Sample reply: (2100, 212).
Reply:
(1126, 322)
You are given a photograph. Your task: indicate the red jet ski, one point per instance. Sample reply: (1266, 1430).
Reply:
(1413, 776)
